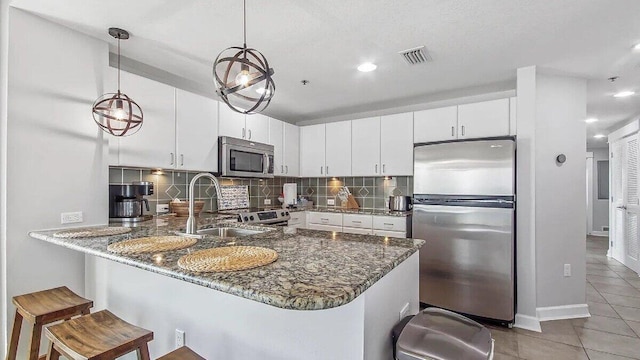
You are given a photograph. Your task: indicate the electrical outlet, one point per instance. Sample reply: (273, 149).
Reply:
(403, 311)
(162, 208)
(179, 338)
(567, 270)
(267, 201)
(331, 202)
(71, 217)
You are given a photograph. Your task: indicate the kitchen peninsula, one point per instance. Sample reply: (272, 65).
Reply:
(328, 296)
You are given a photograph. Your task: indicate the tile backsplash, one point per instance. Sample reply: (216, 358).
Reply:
(369, 192)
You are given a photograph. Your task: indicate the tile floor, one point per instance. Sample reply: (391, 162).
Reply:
(611, 333)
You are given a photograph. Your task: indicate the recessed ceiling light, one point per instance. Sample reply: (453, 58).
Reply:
(599, 136)
(366, 67)
(637, 47)
(591, 120)
(622, 94)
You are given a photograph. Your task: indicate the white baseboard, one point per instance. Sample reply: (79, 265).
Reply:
(563, 312)
(527, 322)
(599, 233)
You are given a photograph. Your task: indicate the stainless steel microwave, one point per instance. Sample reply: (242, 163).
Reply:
(244, 158)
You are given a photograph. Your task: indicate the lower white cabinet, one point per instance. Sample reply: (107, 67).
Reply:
(324, 218)
(298, 219)
(394, 234)
(391, 226)
(359, 231)
(390, 223)
(357, 221)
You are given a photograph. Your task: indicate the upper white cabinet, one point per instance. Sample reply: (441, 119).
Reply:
(365, 147)
(312, 150)
(468, 121)
(253, 127)
(435, 124)
(483, 119)
(155, 143)
(179, 129)
(276, 138)
(396, 144)
(291, 150)
(196, 132)
(338, 149)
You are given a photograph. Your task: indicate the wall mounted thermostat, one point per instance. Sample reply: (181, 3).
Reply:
(560, 159)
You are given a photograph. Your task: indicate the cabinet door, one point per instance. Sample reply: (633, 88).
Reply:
(196, 132)
(155, 143)
(257, 128)
(291, 150)
(365, 147)
(396, 145)
(435, 124)
(483, 119)
(338, 149)
(276, 132)
(312, 148)
(231, 123)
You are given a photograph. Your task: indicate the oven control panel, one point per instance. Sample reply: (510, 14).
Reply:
(264, 217)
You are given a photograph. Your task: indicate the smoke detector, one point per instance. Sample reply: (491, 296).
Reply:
(415, 56)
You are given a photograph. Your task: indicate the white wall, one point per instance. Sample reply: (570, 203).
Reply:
(56, 155)
(561, 107)
(4, 47)
(600, 206)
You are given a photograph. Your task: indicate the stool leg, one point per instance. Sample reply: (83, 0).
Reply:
(143, 352)
(52, 353)
(34, 350)
(15, 336)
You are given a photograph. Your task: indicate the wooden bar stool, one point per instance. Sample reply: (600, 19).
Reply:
(183, 353)
(42, 308)
(98, 336)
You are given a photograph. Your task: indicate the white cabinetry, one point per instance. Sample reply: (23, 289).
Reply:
(324, 221)
(179, 129)
(312, 150)
(154, 144)
(298, 219)
(392, 226)
(483, 119)
(435, 124)
(276, 138)
(291, 150)
(396, 144)
(365, 147)
(253, 127)
(357, 224)
(338, 149)
(196, 132)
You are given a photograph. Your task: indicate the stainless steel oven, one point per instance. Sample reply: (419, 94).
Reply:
(244, 158)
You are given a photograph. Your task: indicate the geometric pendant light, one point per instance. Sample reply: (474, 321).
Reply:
(243, 77)
(116, 113)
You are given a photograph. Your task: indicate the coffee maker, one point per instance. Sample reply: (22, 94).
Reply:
(126, 201)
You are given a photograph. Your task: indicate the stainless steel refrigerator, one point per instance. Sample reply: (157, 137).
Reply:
(464, 207)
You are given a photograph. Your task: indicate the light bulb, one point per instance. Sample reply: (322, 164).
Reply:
(243, 77)
(119, 114)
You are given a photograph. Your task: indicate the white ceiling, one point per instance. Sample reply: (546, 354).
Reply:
(474, 43)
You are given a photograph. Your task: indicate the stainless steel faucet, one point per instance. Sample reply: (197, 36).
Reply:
(192, 224)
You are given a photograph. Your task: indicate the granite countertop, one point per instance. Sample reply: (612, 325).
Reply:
(354, 211)
(315, 269)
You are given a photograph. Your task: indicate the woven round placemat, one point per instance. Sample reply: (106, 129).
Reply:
(92, 232)
(152, 244)
(228, 258)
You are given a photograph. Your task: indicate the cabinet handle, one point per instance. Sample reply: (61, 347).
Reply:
(383, 170)
(286, 167)
(462, 130)
(327, 172)
(389, 224)
(376, 168)
(249, 134)
(181, 159)
(452, 131)
(356, 222)
(281, 169)
(321, 169)
(243, 133)
(172, 159)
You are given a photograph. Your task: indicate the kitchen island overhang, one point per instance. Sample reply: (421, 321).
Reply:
(357, 285)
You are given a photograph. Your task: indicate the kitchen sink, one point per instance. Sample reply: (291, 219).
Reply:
(225, 232)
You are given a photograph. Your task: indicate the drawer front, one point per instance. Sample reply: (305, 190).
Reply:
(393, 234)
(297, 218)
(390, 223)
(324, 218)
(360, 231)
(324, 227)
(357, 221)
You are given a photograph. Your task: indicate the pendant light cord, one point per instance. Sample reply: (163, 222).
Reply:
(244, 21)
(118, 65)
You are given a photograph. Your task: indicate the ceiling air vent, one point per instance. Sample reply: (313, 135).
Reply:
(416, 56)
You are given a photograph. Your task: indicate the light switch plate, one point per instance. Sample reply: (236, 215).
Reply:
(162, 208)
(71, 217)
(267, 201)
(331, 202)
